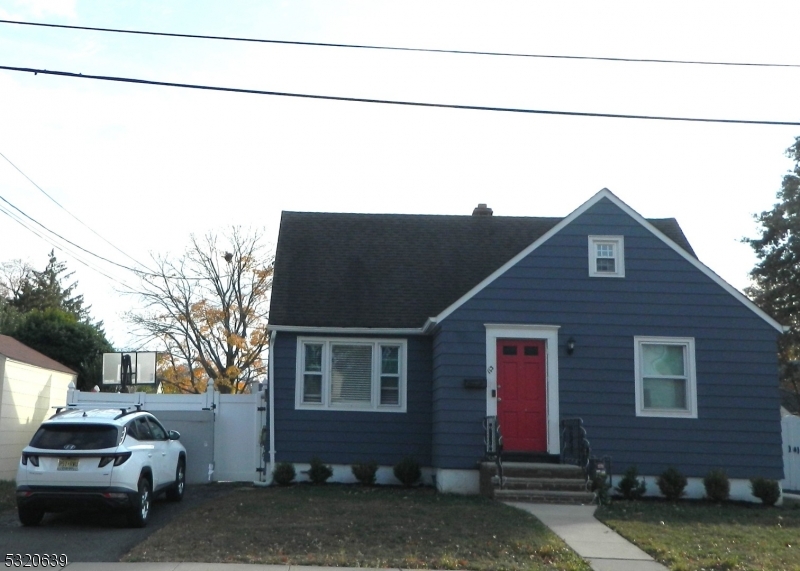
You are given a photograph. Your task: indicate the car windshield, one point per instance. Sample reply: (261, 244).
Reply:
(75, 437)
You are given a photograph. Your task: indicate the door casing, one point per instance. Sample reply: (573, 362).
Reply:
(547, 333)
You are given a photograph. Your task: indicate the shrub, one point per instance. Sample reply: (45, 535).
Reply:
(672, 483)
(319, 472)
(630, 486)
(407, 471)
(717, 485)
(284, 473)
(365, 473)
(768, 491)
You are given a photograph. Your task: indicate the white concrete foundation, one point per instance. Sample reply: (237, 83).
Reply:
(465, 482)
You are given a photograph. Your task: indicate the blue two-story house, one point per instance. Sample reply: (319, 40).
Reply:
(397, 335)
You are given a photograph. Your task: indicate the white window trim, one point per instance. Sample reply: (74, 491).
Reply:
(691, 375)
(326, 404)
(619, 256)
(546, 333)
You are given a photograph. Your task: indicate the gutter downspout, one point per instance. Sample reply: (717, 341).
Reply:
(271, 373)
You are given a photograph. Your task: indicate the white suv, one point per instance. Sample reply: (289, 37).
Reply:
(99, 458)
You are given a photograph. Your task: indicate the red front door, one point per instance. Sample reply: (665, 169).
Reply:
(521, 395)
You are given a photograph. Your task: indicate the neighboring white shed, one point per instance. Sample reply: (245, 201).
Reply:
(30, 384)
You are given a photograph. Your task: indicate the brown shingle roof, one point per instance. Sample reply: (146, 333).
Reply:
(394, 270)
(17, 351)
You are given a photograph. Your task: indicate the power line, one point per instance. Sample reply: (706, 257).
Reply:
(77, 258)
(400, 102)
(98, 256)
(67, 211)
(393, 48)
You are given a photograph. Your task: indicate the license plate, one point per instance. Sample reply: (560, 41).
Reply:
(68, 464)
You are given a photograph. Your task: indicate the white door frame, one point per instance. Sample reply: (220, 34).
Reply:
(546, 333)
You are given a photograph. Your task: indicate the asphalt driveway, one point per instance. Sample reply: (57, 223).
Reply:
(96, 536)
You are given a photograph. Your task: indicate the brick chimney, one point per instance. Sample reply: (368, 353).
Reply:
(482, 210)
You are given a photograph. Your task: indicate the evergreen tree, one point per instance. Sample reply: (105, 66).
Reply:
(44, 290)
(776, 276)
(39, 311)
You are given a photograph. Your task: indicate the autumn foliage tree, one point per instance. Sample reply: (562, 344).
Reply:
(776, 276)
(206, 311)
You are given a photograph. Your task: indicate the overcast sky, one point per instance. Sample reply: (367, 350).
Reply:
(144, 167)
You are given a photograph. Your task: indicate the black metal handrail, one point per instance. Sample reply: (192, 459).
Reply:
(493, 439)
(575, 447)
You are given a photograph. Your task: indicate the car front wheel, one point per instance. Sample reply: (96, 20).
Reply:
(29, 516)
(175, 492)
(140, 512)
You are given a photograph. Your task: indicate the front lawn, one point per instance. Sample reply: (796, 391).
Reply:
(698, 536)
(352, 526)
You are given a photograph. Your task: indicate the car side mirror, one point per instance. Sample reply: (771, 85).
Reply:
(174, 435)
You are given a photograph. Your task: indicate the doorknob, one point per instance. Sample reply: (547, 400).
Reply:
(499, 399)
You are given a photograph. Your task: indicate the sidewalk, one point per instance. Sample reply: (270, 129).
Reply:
(603, 548)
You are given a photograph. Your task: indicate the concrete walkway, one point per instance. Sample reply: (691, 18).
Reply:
(603, 548)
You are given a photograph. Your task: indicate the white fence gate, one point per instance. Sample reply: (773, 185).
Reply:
(234, 452)
(790, 426)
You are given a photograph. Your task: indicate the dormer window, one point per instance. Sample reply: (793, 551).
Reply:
(606, 256)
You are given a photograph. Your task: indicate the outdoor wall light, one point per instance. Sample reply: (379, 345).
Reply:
(570, 346)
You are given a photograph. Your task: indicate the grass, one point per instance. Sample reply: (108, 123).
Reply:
(8, 497)
(351, 526)
(694, 535)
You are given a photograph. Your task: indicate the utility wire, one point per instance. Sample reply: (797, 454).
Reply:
(394, 48)
(77, 258)
(399, 102)
(67, 211)
(98, 256)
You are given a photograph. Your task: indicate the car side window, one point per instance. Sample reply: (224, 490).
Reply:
(156, 429)
(131, 429)
(143, 429)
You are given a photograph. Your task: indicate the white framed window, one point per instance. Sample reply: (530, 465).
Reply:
(607, 256)
(351, 374)
(666, 383)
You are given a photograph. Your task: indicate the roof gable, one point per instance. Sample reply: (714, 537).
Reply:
(18, 351)
(393, 272)
(663, 232)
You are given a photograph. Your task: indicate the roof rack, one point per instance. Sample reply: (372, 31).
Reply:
(124, 410)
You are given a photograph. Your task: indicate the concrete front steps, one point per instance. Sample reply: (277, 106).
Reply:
(535, 483)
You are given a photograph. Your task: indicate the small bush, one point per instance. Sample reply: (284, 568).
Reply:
(630, 486)
(365, 473)
(407, 471)
(319, 472)
(284, 473)
(768, 491)
(672, 483)
(717, 485)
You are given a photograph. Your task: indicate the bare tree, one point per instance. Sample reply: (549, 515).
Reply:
(207, 310)
(14, 274)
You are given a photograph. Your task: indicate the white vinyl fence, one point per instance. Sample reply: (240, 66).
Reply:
(791, 452)
(221, 432)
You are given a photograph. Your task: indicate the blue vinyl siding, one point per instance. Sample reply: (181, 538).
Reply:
(738, 424)
(343, 437)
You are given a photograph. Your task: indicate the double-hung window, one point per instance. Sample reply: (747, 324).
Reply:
(351, 374)
(606, 256)
(666, 384)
